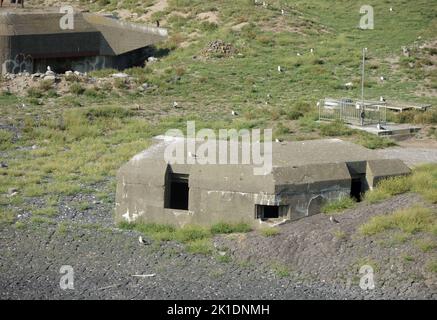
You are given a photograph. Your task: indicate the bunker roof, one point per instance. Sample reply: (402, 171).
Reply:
(117, 37)
(303, 164)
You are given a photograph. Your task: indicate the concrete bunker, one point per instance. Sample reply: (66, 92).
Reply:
(31, 40)
(304, 176)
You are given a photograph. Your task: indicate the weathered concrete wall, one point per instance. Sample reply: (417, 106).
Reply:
(231, 193)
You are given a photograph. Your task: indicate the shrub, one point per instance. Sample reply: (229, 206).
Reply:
(336, 128)
(45, 85)
(338, 205)
(387, 188)
(34, 92)
(226, 228)
(191, 233)
(372, 141)
(269, 231)
(76, 88)
(108, 113)
(200, 246)
(410, 220)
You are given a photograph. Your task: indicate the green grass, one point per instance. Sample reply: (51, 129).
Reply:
(6, 217)
(225, 228)
(426, 245)
(269, 231)
(431, 266)
(339, 234)
(200, 246)
(388, 188)
(47, 212)
(410, 220)
(280, 270)
(338, 205)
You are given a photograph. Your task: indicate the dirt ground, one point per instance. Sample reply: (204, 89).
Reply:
(312, 258)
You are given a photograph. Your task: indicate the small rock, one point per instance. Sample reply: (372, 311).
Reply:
(50, 78)
(68, 73)
(120, 75)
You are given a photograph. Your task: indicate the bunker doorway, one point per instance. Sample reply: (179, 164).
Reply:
(177, 191)
(265, 212)
(357, 187)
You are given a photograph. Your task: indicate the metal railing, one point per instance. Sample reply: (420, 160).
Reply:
(353, 112)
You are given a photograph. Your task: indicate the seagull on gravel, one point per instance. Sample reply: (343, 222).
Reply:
(141, 240)
(333, 220)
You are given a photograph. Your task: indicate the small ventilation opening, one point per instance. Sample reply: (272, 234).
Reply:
(177, 191)
(356, 189)
(265, 212)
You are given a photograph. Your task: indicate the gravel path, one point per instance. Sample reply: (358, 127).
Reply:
(104, 262)
(411, 156)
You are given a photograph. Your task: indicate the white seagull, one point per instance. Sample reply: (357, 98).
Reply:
(234, 113)
(141, 240)
(175, 104)
(279, 69)
(382, 99)
(333, 220)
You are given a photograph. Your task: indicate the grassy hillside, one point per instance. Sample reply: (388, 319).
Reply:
(60, 144)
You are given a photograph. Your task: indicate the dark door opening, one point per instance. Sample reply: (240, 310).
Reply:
(356, 189)
(177, 191)
(265, 212)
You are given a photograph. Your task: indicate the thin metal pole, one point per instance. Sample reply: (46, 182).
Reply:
(362, 77)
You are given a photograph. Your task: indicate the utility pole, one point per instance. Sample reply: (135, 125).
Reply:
(362, 114)
(362, 76)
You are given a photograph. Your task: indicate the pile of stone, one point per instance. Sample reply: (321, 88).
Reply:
(219, 48)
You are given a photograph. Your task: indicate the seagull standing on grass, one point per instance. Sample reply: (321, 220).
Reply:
(282, 11)
(279, 69)
(234, 113)
(312, 50)
(391, 9)
(382, 78)
(175, 104)
(382, 99)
